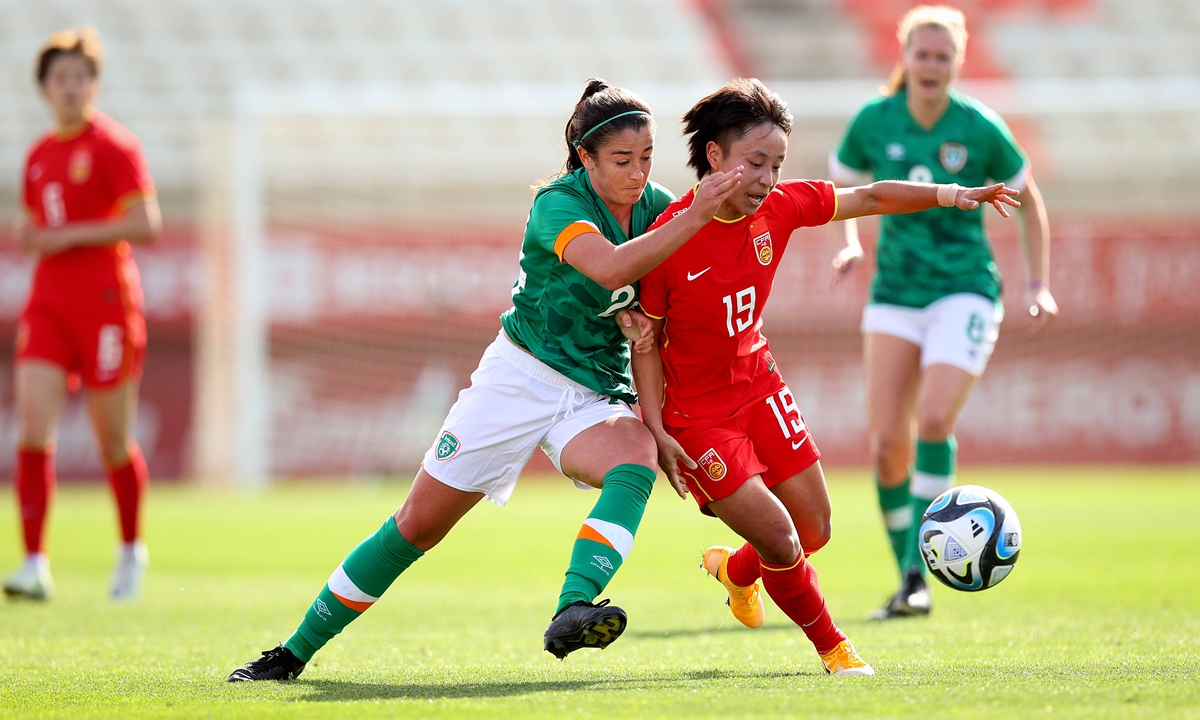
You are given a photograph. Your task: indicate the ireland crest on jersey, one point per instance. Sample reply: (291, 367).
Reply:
(762, 241)
(447, 446)
(953, 156)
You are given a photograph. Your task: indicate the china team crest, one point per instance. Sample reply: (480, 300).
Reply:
(953, 156)
(762, 241)
(713, 464)
(79, 167)
(447, 446)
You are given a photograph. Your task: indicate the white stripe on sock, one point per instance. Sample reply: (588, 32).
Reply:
(898, 519)
(620, 538)
(341, 585)
(928, 487)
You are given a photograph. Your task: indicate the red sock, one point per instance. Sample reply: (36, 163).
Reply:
(743, 567)
(35, 488)
(128, 483)
(795, 590)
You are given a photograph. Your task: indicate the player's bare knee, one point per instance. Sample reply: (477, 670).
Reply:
(115, 451)
(779, 548)
(418, 530)
(889, 457)
(816, 534)
(934, 424)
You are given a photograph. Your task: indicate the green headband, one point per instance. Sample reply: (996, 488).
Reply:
(577, 143)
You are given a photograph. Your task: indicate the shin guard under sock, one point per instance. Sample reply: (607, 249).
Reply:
(128, 484)
(934, 475)
(896, 505)
(355, 585)
(796, 591)
(743, 567)
(606, 537)
(35, 489)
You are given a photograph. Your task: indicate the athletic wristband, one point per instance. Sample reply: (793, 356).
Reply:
(1039, 285)
(946, 194)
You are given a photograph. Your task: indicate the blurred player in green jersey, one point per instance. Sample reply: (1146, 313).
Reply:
(556, 377)
(934, 311)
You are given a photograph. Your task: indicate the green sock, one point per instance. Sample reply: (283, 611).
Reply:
(897, 518)
(358, 582)
(934, 475)
(606, 537)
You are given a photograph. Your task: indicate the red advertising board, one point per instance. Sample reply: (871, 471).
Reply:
(374, 330)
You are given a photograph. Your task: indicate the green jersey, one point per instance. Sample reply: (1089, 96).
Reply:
(928, 255)
(561, 316)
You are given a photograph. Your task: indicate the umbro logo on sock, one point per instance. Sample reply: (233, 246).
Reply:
(322, 609)
(604, 564)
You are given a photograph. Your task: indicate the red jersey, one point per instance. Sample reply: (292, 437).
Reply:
(93, 175)
(712, 292)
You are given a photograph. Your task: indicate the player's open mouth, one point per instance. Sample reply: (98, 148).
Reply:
(928, 83)
(756, 199)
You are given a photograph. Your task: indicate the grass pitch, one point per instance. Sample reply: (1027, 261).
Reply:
(1101, 617)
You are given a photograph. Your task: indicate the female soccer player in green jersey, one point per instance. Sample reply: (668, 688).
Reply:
(934, 312)
(556, 377)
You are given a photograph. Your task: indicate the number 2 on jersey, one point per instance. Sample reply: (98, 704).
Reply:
(745, 304)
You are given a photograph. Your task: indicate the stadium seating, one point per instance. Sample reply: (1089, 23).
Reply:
(172, 66)
(1021, 40)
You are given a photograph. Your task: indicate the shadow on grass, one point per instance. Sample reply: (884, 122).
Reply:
(696, 632)
(347, 690)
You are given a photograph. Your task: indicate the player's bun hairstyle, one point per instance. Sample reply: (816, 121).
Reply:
(923, 16)
(83, 41)
(594, 115)
(727, 115)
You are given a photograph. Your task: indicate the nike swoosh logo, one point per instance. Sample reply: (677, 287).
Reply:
(693, 277)
(796, 445)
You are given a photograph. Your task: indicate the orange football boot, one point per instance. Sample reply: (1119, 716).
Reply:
(845, 660)
(743, 601)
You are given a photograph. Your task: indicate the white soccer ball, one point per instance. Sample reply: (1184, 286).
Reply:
(970, 538)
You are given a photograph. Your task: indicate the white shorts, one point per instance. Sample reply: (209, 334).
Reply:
(515, 404)
(959, 330)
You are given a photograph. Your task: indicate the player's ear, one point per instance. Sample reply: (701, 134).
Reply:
(715, 154)
(586, 159)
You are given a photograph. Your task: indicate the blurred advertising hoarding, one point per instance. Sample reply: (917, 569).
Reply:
(374, 330)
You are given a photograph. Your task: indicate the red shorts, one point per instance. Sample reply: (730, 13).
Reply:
(95, 336)
(767, 437)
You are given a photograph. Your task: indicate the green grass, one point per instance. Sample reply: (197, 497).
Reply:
(1101, 618)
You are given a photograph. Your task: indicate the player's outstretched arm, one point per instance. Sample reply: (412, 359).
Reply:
(896, 197)
(615, 266)
(648, 377)
(141, 223)
(1034, 227)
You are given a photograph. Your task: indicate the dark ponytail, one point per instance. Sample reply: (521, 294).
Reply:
(594, 115)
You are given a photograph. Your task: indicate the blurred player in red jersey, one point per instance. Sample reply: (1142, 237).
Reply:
(713, 392)
(87, 195)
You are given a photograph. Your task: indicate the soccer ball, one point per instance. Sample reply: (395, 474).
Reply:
(970, 538)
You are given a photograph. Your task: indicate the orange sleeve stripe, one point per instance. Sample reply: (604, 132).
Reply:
(131, 198)
(588, 533)
(835, 206)
(652, 315)
(569, 233)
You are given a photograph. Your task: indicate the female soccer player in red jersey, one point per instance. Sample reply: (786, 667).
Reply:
(712, 395)
(87, 196)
